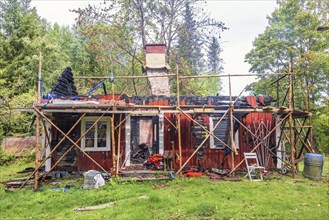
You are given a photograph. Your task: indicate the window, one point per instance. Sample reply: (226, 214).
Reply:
(222, 131)
(98, 137)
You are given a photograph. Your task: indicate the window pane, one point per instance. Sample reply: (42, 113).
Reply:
(222, 132)
(90, 136)
(101, 134)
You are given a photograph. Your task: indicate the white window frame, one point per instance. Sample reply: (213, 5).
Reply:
(212, 139)
(108, 133)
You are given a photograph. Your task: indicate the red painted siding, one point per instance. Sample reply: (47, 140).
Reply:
(213, 158)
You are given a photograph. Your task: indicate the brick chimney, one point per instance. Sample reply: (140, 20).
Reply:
(155, 65)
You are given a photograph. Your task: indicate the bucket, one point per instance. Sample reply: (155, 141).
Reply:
(313, 166)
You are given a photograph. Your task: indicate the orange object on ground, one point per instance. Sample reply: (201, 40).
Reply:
(155, 159)
(193, 174)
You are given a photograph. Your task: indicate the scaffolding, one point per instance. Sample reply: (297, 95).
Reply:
(293, 126)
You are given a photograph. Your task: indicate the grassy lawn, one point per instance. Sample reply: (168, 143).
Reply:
(183, 198)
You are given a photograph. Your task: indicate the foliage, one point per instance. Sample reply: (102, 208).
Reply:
(22, 36)
(189, 43)
(321, 126)
(297, 33)
(14, 123)
(182, 198)
(214, 61)
(198, 86)
(106, 40)
(112, 55)
(20, 27)
(5, 158)
(119, 30)
(292, 36)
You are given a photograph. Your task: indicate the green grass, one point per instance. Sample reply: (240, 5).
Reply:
(198, 198)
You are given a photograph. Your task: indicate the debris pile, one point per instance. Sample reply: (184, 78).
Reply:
(140, 154)
(65, 84)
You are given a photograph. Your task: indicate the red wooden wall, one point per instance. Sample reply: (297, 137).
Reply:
(212, 157)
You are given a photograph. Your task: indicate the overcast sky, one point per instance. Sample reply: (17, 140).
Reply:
(244, 18)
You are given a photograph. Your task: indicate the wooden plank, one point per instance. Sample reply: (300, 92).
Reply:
(95, 207)
(18, 184)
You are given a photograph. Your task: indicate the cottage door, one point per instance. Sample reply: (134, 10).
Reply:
(144, 138)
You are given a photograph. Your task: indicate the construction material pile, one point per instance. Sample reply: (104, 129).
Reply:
(65, 84)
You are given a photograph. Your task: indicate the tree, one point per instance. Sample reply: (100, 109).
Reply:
(292, 36)
(189, 42)
(321, 127)
(22, 36)
(114, 53)
(214, 60)
(134, 23)
(20, 27)
(296, 34)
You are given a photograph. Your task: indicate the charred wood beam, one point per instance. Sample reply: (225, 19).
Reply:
(285, 97)
(304, 145)
(122, 121)
(306, 135)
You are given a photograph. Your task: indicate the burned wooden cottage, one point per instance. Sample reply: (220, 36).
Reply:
(115, 131)
(144, 126)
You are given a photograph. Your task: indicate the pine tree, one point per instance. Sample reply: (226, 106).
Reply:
(214, 60)
(20, 27)
(189, 42)
(22, 35)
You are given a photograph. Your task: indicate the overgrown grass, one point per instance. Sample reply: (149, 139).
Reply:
(183, 198)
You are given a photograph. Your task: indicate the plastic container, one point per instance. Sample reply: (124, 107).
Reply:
(313, 166)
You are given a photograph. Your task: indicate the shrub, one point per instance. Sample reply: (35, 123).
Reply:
(5, 158)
